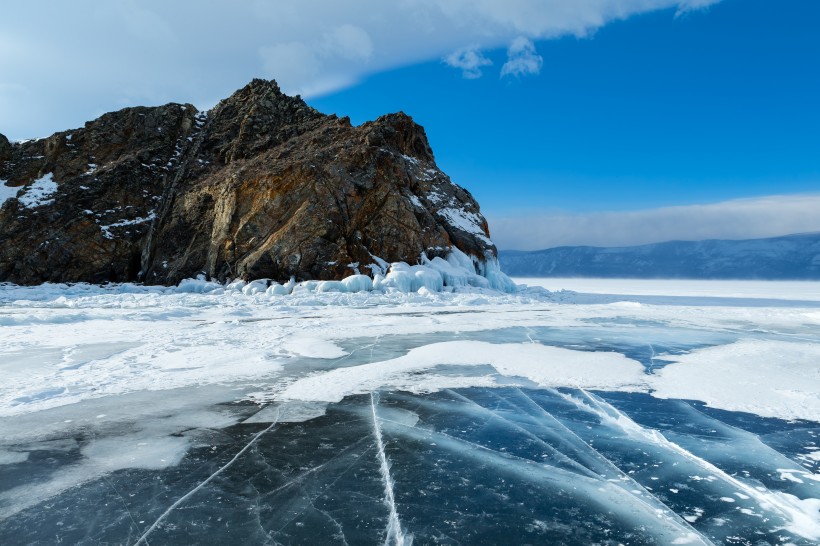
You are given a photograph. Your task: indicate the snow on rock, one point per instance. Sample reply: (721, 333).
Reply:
(330, 286)
(358, 283)
(6, 192)
(465, 221)
(238, 284)
(411, 278)
(125, 223)
(39, 193)
(198, 286)
(259, 286)
(276, 289)
(457, 272)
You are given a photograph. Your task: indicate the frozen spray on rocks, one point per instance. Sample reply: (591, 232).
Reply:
(456, 273)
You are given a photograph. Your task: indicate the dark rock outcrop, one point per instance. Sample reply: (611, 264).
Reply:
(262, 186)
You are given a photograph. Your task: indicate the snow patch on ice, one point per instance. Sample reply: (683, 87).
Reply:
(312, 347)
(546, 366)
(768, 378)
(13, 457)
(117, 453)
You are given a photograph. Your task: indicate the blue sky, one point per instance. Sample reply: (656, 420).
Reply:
(618, 121)
(655, 110)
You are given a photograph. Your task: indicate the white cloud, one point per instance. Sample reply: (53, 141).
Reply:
(737, 219)
(350, 42)
(294, 62)
(311, 68)
(693, 5)
(77, 59)
(522, 59)
(469, 60)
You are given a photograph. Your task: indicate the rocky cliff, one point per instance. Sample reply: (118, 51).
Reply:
(261, 186)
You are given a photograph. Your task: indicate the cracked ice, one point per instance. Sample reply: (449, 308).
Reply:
(363, 418)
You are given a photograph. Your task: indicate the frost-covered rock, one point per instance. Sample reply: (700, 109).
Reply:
(198, 286)
(358, 283)
(331, 286)
(258, 286)
(238, 284)
(458, 272)
(276, 289)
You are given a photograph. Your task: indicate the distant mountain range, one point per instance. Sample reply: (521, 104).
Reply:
(791, 257)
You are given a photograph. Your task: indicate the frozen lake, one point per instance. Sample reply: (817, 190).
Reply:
(625, 412)
(765, 290)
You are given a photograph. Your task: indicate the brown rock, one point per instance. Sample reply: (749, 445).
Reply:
(262, 186)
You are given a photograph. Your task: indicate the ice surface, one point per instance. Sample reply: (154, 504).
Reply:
(255, 414)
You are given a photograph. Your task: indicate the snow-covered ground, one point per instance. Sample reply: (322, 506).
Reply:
(683, 411)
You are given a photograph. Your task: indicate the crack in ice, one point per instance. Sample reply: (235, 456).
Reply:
(800, 515)
(335, 522)
(394, 530)
(600, 457)
(124, 503)
(611, 497)
(326, 487)
(562, 457)
(189, 494)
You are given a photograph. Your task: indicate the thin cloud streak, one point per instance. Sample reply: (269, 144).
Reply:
(737, 219)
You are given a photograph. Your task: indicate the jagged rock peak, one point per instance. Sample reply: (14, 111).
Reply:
(265, 98)
(262, 186)
(401, 132)
(5, 148)
(257, 117)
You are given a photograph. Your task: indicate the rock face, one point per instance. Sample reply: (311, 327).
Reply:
(262, 186)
